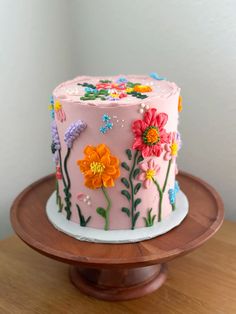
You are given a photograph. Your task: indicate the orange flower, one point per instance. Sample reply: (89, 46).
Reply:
(142, 88)
(99, 167)
(180, 106)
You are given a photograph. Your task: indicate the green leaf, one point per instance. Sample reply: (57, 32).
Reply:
(126, 210)
(137, 187)
(129, 154)
(150, 214)
(153, 218)
(101, 211)
(88, 219)
(130, 84)
(81, 217)
(140, 158)
(146, 222)
(137, 202)
(136, 172)
(126, 194)
(125, 166)
(125, 182)
(135, 218)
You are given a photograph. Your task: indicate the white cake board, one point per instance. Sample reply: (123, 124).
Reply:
(74, 230)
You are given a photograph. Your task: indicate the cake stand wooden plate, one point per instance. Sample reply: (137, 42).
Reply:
(117, 271)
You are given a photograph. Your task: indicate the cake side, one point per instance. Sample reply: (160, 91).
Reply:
(116, 159)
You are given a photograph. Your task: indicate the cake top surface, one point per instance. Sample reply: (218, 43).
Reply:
(115, 90)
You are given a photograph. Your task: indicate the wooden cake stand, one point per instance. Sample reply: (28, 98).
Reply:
(117, 271)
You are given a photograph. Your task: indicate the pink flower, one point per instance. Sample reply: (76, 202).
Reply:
(81, 196)
(60, 113)
(150, 133)
(149, 170)
(173, 147)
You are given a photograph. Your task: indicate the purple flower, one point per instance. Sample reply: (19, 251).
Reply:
(121, 80)
(55, 137)
(73, 132)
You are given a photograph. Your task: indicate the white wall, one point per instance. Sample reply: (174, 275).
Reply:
(192, 43)
(35, 55)
(45, 42)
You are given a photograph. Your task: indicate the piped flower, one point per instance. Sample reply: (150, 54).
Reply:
(149, 171)
(51, 108)
(157, 77)
(172, 148)
(58, 173)
(180, 104)
(56, 145)
(150, 134)
(121, 80)
(99, 167)
(60, 113)
(73, 132)
(172, 194)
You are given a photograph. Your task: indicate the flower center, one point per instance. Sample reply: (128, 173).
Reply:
(97, 167)
(57, 106)
(150, 173)
(174, 149)
(151, 135)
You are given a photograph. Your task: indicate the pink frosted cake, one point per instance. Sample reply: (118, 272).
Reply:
(115, 143)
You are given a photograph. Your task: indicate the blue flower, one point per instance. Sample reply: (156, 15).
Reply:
(177, 186)
(91, 90)
(106, 118)
(172, 196)
(52, 114)
(155, 76)
(121, 80)
(172, 193)
(109, 125)
(103, 129)
(51, 100)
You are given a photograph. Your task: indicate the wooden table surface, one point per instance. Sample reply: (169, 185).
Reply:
(203, 281)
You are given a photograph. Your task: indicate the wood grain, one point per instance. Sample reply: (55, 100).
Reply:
(202, 282)
(117, 272)
(31, 224)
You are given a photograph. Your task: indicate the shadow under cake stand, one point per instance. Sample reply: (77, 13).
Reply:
(117, 271)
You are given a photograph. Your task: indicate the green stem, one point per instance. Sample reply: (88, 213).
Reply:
(132, 188)
(62, 174)
(106, 227)
(160, 198)
(66, 185)
(167, 175)
(173, 207)
(65, 167)
(57, 191)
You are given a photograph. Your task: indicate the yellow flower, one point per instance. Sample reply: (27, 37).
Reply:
(57, 105)
(99, 167)
(129, 90)
(174, 147)
(180, 106)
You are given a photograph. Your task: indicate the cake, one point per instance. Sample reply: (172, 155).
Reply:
(114, 142)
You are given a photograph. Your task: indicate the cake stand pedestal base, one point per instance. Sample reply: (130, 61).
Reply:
(118, 285)
(117, 271)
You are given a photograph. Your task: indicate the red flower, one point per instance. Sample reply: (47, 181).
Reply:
(58, 173)
(150, 133)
